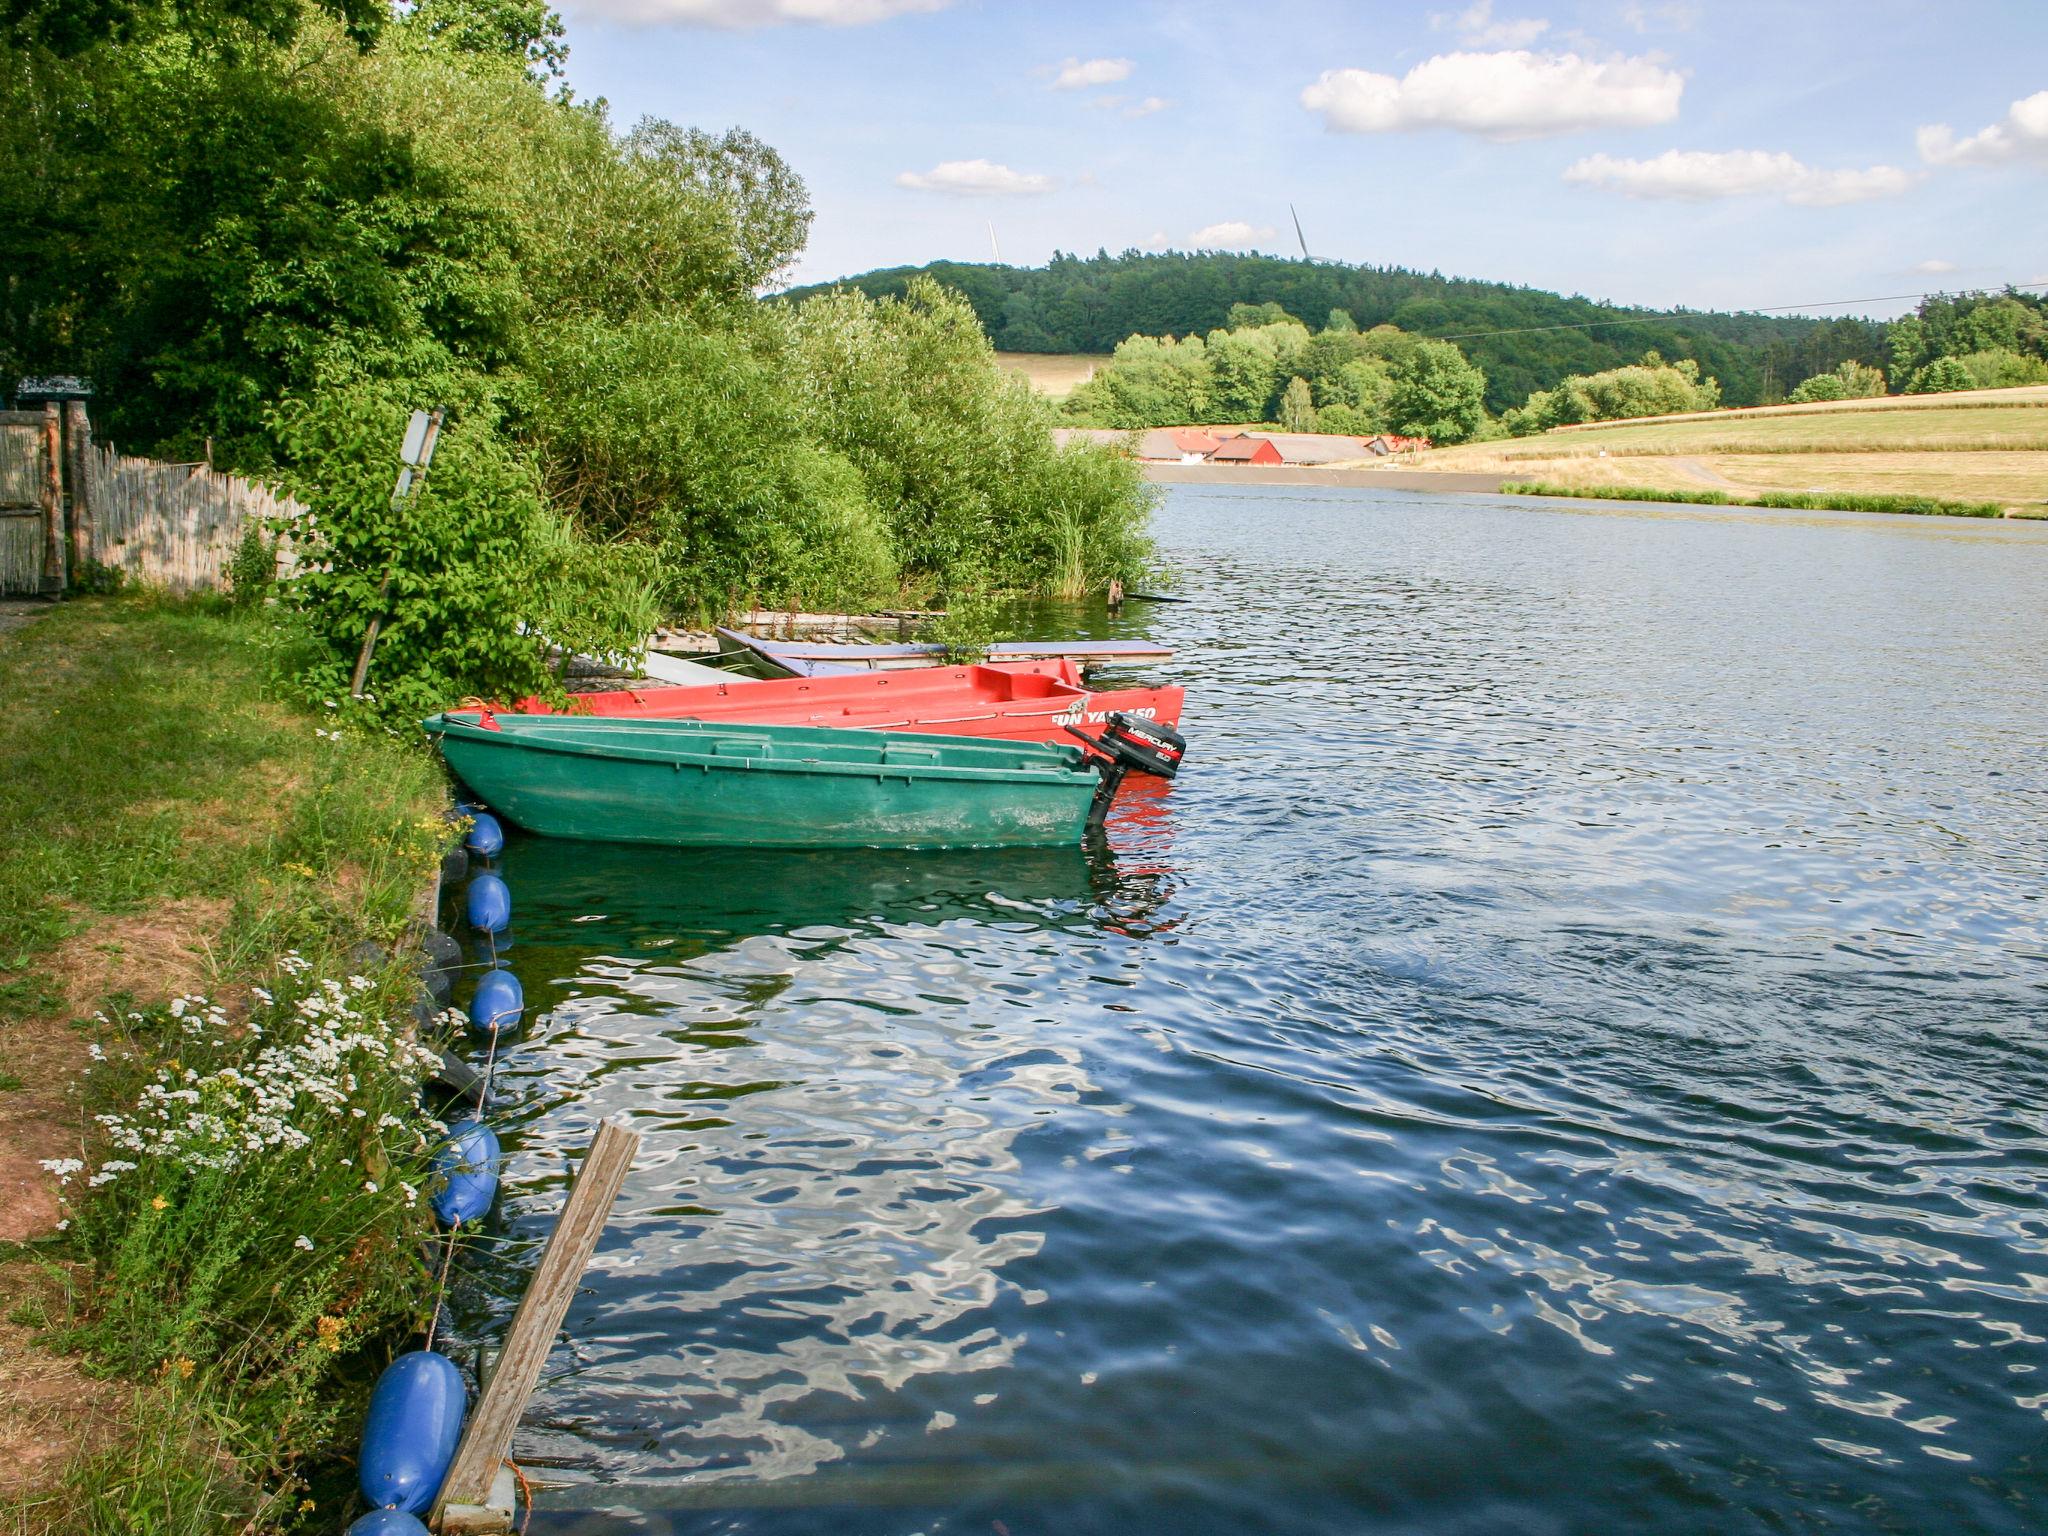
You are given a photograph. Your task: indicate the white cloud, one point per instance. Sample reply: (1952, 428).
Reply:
(1932, 268)
(1081, 74)
(1158, 241)
(1511, 95)
(1695, 175)
(975, 178)
(745, 15)
(1147, 107)
(2023, 135)
(1230, 235)
(1476, 26)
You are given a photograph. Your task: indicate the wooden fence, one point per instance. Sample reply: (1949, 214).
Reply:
(172, 525)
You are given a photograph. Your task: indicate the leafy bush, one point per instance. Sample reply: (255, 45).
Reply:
(1943, 376)
(1652, 387)
(2002, 368)
(448, 572)
(1851, 381)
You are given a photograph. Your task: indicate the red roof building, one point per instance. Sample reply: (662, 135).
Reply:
(1246, 449)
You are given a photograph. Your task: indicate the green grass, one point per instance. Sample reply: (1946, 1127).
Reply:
(1810, 501)
(160, 795)
(1921, 429)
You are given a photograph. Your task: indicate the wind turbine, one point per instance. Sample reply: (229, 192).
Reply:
(1298, 235)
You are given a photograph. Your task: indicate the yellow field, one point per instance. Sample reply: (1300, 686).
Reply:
(1056, 374)
(1987, 445)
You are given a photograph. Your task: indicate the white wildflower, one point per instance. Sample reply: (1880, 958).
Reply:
(370, 1186)
(304, 1242)
(63, 1167)
(262, 996)
(98, 1052)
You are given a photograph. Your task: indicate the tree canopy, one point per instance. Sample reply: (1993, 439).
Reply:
(270, 236)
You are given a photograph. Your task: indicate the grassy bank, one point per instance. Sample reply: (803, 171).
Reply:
(214, 1164)
(1919, 506)
(1991, 446)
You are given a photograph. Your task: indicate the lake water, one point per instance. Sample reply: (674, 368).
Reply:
(1570, 1054)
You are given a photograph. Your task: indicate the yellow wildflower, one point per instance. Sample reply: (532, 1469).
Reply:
(330, 1333)
(159, 1203)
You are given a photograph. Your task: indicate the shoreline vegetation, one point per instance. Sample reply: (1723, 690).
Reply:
(215, 1164)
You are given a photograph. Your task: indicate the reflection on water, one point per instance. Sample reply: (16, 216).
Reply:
(1566, 1055)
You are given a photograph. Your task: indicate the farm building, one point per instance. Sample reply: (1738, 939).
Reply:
(1246, 449)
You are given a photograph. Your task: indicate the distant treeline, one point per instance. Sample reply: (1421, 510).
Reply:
(1090, 304)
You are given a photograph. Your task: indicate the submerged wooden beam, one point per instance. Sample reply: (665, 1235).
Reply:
(487, 1439)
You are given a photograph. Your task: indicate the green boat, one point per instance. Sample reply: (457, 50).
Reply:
(703, 784)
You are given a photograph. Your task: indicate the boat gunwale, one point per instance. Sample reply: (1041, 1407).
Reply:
(1071, 766)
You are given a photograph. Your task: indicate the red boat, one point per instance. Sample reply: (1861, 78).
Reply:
(1028, 701)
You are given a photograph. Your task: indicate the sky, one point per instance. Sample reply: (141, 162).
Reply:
(1699, 153)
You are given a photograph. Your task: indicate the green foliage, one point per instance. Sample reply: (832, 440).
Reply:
(1437, 394)
(310, 843)
(1797, 501)
(957, 456)
(1851, 381)
(1652, 387)
(2003, 368)
(447, 571)
(526, 30)
(2009, 324)
(252, 572)
(972, 622)
(1297, 407)
(1943, 376)
(282, 245)
(1523, 339)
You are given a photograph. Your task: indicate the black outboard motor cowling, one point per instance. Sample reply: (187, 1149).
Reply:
(1145, 745)
(1129, 741)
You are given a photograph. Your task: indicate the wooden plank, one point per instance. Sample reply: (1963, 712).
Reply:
(487, 1438)
(53, 500)
(78, 441)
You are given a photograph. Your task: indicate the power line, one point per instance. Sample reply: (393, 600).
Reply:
(1680, 314)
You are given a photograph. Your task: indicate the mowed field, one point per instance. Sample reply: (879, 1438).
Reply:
(1057, 374)
(1983, 445)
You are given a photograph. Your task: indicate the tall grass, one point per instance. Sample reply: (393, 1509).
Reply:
(244, 1192)
(1808, 501)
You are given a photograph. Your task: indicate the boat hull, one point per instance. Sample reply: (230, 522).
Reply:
(692, 784)
(993, 703)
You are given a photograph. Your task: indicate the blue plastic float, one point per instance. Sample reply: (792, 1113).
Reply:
(498, 1004)
(469, 1161)
(410, 1435)
(486, 837)
(488, 904)
(386, 1522)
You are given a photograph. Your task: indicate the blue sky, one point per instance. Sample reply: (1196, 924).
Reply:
(1661, 152)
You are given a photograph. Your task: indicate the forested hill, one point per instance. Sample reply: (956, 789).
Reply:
(1077, 304)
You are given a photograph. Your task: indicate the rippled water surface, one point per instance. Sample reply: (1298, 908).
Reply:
(1568, 1055)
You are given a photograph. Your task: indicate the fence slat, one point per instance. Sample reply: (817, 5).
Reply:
(176, 525)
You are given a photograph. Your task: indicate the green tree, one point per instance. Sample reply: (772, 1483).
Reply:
(1437, 394)
(526, 30)
(1297, 407)
(1942, 376)
(1851, 381)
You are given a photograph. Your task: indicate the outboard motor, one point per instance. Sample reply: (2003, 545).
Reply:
(1129, 742)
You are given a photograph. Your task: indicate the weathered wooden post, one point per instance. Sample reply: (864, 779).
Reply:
(414, 457)
(78, 444)
(53, 499)
(487, 1439)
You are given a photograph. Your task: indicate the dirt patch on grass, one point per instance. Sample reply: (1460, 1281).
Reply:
(151, 956)
(50, 1410)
